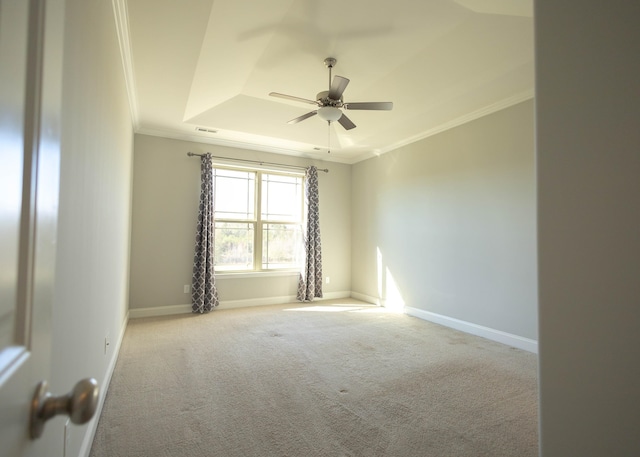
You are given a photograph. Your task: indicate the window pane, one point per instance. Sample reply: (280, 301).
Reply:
(234, 194)
(281, 246)
(234, 246)
(281, 198)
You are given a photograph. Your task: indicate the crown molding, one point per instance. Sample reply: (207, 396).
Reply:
(121, 16)
(175, 135)
(477, 114)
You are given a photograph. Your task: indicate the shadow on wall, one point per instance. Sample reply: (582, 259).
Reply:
(388, 292)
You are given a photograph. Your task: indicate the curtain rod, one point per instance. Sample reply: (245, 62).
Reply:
(191, 154)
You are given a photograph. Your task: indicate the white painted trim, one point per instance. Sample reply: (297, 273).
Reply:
(457, 324)
(477, 114)
(251, 146)
(366, 298)
(475, 329)
(121, 15)
(298, 150)
(255, 274)
(335, 295)
(135, 313)
(467, 327)
(90, 432)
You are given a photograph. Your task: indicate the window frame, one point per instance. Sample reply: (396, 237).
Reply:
(258, 221)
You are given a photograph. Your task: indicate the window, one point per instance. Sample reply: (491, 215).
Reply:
(258, 219)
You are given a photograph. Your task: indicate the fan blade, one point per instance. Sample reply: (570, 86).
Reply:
(303, 117)
(338, 86)
(346, 122)
(291, 97)
(369, 105)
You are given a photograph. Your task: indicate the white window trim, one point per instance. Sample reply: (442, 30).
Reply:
(255, 274)
(257, 270)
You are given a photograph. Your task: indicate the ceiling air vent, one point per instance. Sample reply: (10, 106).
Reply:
(205, 130)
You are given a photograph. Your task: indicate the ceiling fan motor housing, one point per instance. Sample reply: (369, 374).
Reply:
(324, 100)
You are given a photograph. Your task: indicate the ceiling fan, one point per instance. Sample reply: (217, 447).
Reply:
(330, 102)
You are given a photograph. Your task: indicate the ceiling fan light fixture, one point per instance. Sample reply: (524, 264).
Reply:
(329, 113)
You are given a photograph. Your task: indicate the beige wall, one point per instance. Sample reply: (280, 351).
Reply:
(447, 224)
(588, 160)
(165, 199)
(91, 284)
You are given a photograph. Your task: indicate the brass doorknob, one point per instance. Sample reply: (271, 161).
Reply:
(80, 405)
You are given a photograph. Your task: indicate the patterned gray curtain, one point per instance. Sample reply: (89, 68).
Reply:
(204, 294)
(310, 283)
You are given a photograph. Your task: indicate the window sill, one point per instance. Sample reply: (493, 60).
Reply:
(256, 274)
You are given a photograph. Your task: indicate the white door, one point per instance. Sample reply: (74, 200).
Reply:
(30, 93)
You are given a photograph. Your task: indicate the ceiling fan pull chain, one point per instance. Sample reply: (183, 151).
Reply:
(329, 137)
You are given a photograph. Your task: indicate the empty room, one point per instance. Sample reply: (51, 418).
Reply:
(318, 228)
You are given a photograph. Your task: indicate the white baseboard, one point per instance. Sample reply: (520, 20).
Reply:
(367, 298)
(468, 327)
(90, 432)
(135, 313)
(333, 295)
(475, 329)
(228, 304)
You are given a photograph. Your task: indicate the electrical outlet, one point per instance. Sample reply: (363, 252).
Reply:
(67, 439)
(327, 280)
(186, 288)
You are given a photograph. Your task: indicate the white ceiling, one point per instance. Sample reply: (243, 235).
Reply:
(212, 64)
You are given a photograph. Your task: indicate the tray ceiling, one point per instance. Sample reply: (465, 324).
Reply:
(205, 64)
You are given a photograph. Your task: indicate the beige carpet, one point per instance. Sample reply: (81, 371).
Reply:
(336, 378)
